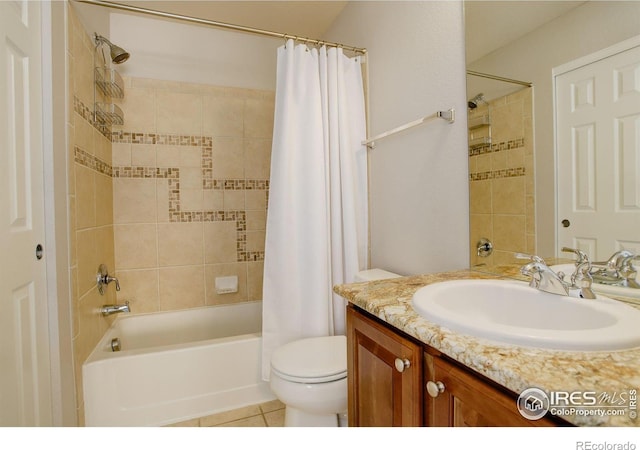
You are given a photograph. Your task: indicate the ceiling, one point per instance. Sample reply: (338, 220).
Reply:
(301, 18)
(490, 25)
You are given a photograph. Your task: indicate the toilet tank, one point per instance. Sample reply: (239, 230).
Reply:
(374, 274)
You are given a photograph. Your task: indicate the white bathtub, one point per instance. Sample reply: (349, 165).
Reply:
(175, 366)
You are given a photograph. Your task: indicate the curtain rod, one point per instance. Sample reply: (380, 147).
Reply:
(497, 78)
(213, 23)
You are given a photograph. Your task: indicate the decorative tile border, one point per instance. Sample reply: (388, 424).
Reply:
(492, 175)
(87, 114)
(128, 137)
(239, 185)
(497, 147)
(172, 175)
(494, 148)
(92, 162)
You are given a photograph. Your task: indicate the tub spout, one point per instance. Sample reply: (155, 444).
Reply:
(107, 310)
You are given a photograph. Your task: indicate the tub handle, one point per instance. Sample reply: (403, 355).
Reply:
(103, 278)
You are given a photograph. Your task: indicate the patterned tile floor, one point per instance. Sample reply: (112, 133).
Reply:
(269, 414)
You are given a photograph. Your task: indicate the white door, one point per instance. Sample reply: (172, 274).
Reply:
(24, 334)
(598, 155)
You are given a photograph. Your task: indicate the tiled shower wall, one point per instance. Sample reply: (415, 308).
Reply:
(90, 202)
(501, 180)
(186, 187)
(190, 185)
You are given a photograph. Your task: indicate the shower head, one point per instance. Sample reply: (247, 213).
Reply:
(473, 103)
(118, 54)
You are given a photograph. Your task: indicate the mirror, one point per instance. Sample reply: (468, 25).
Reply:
(525, 41)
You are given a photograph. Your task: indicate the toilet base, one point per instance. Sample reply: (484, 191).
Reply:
(295, 418)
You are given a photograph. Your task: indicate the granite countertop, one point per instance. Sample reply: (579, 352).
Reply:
(514, 367)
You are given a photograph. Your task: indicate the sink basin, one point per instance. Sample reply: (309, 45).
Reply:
(512, 312)
(622, 291)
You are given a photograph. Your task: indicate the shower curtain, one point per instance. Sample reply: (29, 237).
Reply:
(317, 232)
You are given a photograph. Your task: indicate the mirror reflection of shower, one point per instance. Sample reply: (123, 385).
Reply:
(473, 103)
(479, 121)
(501, 168)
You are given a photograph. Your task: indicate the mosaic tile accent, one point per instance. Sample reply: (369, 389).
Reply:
(492, 175)
(207, 167)
(128, 137)
(146, 172)
(496, 147)
(239, 185)
(172, 175)
(92, 162)
(87, 114)
(83, 110)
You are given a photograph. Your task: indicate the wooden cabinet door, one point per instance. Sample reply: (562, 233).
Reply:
(380, 395)
(468, 401)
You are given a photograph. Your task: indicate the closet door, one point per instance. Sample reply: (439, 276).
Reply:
(598, 153)
(24, 331)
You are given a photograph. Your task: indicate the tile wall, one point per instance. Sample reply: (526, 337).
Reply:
(171, 200)
(501, 179)
(90, 201)
(190, 185)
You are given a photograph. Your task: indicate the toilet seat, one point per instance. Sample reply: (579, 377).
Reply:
(311, 360)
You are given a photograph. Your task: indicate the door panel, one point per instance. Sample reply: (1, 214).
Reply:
(598, 149)
(24, 356)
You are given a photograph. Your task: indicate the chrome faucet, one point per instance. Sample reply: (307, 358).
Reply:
(545, 279)
(542, 277)
(103, 278)
(581, 278)
(618, 270)
(107, 310)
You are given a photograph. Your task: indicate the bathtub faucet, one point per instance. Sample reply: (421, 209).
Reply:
(107, 310)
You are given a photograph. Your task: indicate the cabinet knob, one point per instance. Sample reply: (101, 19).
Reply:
(402, 364)
(435, 388)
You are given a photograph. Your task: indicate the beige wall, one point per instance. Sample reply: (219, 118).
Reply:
(501, 179)
(90, 202)
(191, 175)
(590, 27)
(419, 186)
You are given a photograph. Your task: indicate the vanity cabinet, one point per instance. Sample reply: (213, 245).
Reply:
(395, 380)
(458, 398)
(384, 374)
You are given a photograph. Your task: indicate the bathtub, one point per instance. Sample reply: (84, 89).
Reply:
(175, 366)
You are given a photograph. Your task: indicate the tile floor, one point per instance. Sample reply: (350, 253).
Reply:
(269, 414)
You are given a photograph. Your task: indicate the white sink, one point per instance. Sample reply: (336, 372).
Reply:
(621, 291)
(514, 313)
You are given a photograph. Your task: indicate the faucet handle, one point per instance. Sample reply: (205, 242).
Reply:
(103, 278)
(533, 258)
(110, 279)
(582, 280)
(532, 269)
(582, 256)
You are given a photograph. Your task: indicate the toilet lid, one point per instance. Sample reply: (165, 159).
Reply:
(312, 360)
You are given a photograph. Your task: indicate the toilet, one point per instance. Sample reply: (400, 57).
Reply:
(310, 375)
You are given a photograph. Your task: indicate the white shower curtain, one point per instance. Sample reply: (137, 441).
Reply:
(317, 215)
